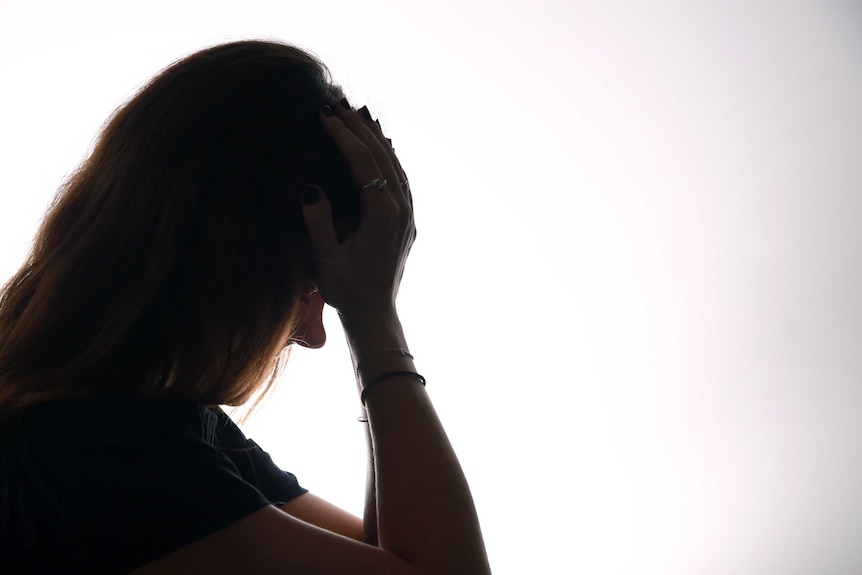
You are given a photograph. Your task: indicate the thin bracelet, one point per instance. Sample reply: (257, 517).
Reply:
(403, 352)
(380, 378)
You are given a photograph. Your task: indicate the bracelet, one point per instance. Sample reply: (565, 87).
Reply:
(384, 376)
(403, 352)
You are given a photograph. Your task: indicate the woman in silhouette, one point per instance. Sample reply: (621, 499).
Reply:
(220, 209)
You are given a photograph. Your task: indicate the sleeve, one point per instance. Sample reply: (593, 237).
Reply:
(254, 464)
(133, 500)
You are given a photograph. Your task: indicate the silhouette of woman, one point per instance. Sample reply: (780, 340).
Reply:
(220, 209)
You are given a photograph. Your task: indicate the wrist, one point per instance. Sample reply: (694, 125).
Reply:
(367, 330)
(363, 317)
(377, 345)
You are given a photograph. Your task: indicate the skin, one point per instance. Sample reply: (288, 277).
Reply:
(310, 331)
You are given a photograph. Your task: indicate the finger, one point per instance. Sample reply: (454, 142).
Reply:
(361, 162)
(403, 180)
(386, 144)
(360, 123)
(364, 128)
(317, 214)
(377, 130)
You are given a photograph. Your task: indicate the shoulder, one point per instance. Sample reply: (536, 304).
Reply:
(115, 486)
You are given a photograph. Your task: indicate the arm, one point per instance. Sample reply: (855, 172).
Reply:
(317, 511)
(370, 517)
(426, 518)
(320, 512)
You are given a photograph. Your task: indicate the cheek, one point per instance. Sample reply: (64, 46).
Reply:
(311, 326)
(312, 306)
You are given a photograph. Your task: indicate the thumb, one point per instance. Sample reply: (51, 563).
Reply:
(318, 222)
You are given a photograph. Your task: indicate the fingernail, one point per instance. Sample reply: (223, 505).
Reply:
(327, 111)
(345, 104)
(365, 113)
(310, 195)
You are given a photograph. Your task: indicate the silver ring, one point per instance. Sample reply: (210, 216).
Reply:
(375, 183)
(405, 183)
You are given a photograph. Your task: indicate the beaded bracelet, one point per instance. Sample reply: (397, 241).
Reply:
(384, 376)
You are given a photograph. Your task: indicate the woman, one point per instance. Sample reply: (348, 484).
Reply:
(221, 207)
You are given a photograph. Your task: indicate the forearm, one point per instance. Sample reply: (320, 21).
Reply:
(425, 512)
(369, 521)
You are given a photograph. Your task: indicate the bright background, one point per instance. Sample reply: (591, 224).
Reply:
(635, 292)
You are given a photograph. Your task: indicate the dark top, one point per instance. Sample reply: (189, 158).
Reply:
(107, 483)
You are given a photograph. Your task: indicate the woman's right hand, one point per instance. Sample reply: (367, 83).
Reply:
(362, 274)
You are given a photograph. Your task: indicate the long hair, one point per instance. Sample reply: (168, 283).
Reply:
(171, 261)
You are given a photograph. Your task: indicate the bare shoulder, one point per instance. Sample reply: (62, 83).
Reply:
(269, 541)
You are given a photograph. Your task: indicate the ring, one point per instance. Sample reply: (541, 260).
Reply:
(375, 183)
(404, 183)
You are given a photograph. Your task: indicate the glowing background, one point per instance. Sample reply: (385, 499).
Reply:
(635, 292)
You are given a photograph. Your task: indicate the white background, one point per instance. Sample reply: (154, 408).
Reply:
(635, 292)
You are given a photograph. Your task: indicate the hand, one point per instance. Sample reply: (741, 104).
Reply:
(363, 273)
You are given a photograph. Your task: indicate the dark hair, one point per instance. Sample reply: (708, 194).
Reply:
(171, 261)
